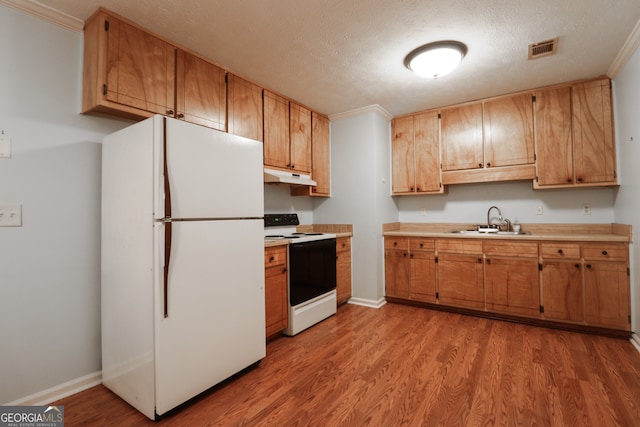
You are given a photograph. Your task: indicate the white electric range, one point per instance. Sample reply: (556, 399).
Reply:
(311, 271)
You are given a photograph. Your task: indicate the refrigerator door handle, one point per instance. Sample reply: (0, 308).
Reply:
(167, 259)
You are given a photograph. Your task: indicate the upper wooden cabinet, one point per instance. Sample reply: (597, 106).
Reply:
(320, 155)
(201, 92)
(508, 131)
(462, 138)
(244, 108)
(127, 71)
(415, 153)
(575, 143)
(287, 134)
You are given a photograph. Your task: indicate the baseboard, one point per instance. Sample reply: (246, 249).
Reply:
(367, 302)
(635, 340)
(60, 391)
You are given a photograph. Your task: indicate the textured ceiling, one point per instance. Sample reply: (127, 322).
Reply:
(339, 55)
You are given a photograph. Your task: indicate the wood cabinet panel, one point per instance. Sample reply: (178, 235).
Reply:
(554, 147)
(244, 108)
(460, 246)
(403, 156)
(140, 68)
(422, 245)
(397, 273)
(343, 269)
(300, 138)
(462, 140)
(593, 136)
(460, 280)
(605, 252)
(276, 130)
(508, 131)
(320, 155)
(606, 295)
(561, 283)
(560, 250)
(201, 92)
(275, 293)
(423, 276)
(400, 243)
(511, 248)
(427, 152)
(512, 286)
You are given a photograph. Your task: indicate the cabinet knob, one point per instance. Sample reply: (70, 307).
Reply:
(293, 166)
(411, 256)
(569, 180)
(577, 265)
(489, 164)
(579, 179)
(417, 188)
(395, 243)
(404, 254)
(170, 112)
(180, 115)
(560, 251)
(588, 266)
(479, 260)
(271, 259)
(479, 165)
(488, 260)
(605, 253)
(421, 245)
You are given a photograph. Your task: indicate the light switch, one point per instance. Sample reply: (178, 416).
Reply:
(10, 215)
(5, 146)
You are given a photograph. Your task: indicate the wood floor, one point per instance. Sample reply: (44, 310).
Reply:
(408, 366)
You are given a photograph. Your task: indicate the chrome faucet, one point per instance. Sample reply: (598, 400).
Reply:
(489, 214)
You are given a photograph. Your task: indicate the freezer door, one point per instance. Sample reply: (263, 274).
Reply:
(215, 324)
(211, 174)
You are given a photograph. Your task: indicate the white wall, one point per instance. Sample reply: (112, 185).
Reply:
(49, 267)
(627, 200)
(468, 203)
(360, 170)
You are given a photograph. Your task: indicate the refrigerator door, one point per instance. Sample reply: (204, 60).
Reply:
(215, 322)
(210, 174)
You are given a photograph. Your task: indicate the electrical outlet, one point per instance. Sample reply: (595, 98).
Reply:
(586, 209)
(539, 210)
(10, 215)
(5, 146)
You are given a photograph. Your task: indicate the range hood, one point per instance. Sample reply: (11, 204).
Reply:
(278, 176)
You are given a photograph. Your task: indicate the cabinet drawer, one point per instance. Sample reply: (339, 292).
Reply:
(560, 250)
(460, 246)
(605, 252)
(511, 249)
(422, 245)
(275, 256)
(396, 243)
(343, 244)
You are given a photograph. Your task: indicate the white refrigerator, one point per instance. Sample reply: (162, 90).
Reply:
(182, 261)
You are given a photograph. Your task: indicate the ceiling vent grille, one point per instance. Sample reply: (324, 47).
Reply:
(545, 48)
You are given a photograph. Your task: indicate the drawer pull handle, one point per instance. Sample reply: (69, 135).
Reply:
(577, 265)
(421, 244)
(271, 259)
(588, 266)
(395, 243)
(605, 253)
(560, 251)
(479, 260)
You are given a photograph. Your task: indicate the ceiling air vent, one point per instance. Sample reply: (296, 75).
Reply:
(545, 48)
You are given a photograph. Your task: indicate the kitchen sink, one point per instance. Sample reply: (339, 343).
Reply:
(484, 233)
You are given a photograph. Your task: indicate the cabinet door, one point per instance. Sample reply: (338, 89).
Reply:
(553, 137)
(201, 92)
(403, 156)
(300, 138)
(508, 131)
(275, 296)
(512, 286)
(320, 155)
(343, 269)
(606, 295)
(140, 68)
(396, 273)
(427, 152)
(423, 276)
(460, 280)
(244, 108)
(276, 131)
(562, 290)
(593, 143)
(462, 138)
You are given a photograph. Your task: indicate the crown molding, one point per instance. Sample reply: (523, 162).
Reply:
(627, 51)
(46, 13)
(358, 111)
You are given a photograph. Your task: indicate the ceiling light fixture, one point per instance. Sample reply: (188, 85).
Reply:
(435, 59)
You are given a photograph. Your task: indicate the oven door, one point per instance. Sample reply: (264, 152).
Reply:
(312, 269)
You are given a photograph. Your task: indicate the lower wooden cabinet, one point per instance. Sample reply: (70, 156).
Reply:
(275, 289)
(574, 283)
(343, 269)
